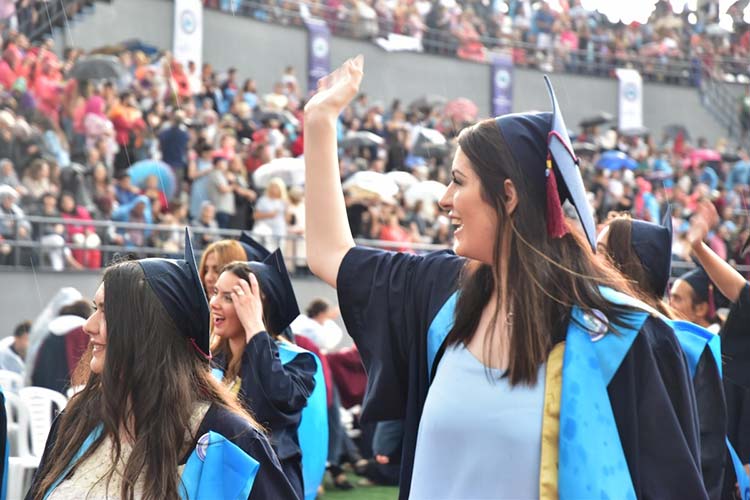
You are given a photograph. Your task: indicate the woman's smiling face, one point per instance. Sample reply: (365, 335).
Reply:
(475, 221)
(96, 328)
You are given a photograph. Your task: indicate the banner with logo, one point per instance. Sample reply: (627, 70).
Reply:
(630, 99)
(188, 32)
(319, 52)
(502, 84)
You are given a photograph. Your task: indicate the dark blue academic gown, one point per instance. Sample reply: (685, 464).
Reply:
(270, 481)
(276, 394)
(388, 301)
(735, 354)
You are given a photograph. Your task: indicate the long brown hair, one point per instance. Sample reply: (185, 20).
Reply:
(624, 258)
(220, 345)
(226, 251)
(537, 278)
(151, 382)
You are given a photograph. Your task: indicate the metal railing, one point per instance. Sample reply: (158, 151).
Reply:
(723, 105)
(667, 69)
(26, 250)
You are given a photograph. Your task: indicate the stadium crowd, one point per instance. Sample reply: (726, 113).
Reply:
(70, 147)
(671, 47)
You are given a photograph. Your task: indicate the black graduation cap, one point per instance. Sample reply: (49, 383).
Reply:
(653, 245)
(178, 287)
(540, 143)
(704, 289)
(276, 285)
(254, 250)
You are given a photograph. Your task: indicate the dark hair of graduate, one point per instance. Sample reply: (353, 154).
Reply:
(150, 384)
(542, 277)
(622, 255)
(221, 345)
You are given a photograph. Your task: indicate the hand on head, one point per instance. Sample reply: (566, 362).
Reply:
(337, 90)
(248, 305)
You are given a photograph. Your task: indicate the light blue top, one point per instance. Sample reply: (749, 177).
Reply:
(479, 438)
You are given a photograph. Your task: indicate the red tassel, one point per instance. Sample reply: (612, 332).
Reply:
(556, 226)
(711, 302)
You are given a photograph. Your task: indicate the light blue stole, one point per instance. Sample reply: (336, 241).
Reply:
(694, 340)
(313, 428)
(216, 469)
(591, 459)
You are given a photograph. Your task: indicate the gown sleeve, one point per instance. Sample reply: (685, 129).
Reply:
(735, 341)
(712, 418)
(270, 481)
(654, 404)
(387, 301)
(284, 387)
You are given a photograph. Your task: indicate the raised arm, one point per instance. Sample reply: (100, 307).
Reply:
(329, 237)
(729, 281)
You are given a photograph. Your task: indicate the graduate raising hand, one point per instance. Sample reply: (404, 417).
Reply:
(467, 348)
(323, 193)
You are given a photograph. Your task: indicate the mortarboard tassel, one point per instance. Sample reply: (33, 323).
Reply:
(556, 226)
(711, 302)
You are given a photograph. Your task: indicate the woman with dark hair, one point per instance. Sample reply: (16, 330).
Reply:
(248, 320)
(151, 421)
(522, 367)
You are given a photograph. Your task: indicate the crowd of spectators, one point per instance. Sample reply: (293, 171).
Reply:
(671, 47)
(67, 147)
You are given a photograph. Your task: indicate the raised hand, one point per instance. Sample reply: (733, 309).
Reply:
(249, 307)
(336, 90)
(704, 218)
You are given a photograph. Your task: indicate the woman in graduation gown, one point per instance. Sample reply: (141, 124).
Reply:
(642, 251)
(247, 337)
(735, 337)
(501, 360)
(151, 421)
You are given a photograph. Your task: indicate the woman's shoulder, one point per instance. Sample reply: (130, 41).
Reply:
(430, 260)
(232, 425)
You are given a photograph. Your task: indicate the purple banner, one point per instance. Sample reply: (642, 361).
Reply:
(318, 52)
(502, 84)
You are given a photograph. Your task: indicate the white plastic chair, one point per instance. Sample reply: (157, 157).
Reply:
(43, 404)
(21, 463)
(11, 381)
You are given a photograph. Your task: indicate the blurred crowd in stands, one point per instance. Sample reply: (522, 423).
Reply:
(562, 35)
(157, 142)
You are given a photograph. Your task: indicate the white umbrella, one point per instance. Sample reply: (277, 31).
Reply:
(369, 184)
(403, 179)
(290, 170)
(7, 190)
(362, 138)
(426, 191)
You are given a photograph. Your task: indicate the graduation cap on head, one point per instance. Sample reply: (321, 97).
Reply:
(178, 287)
(281, 304)
(704, 290)
(540, 143)
(653, 245)
(254, 250)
